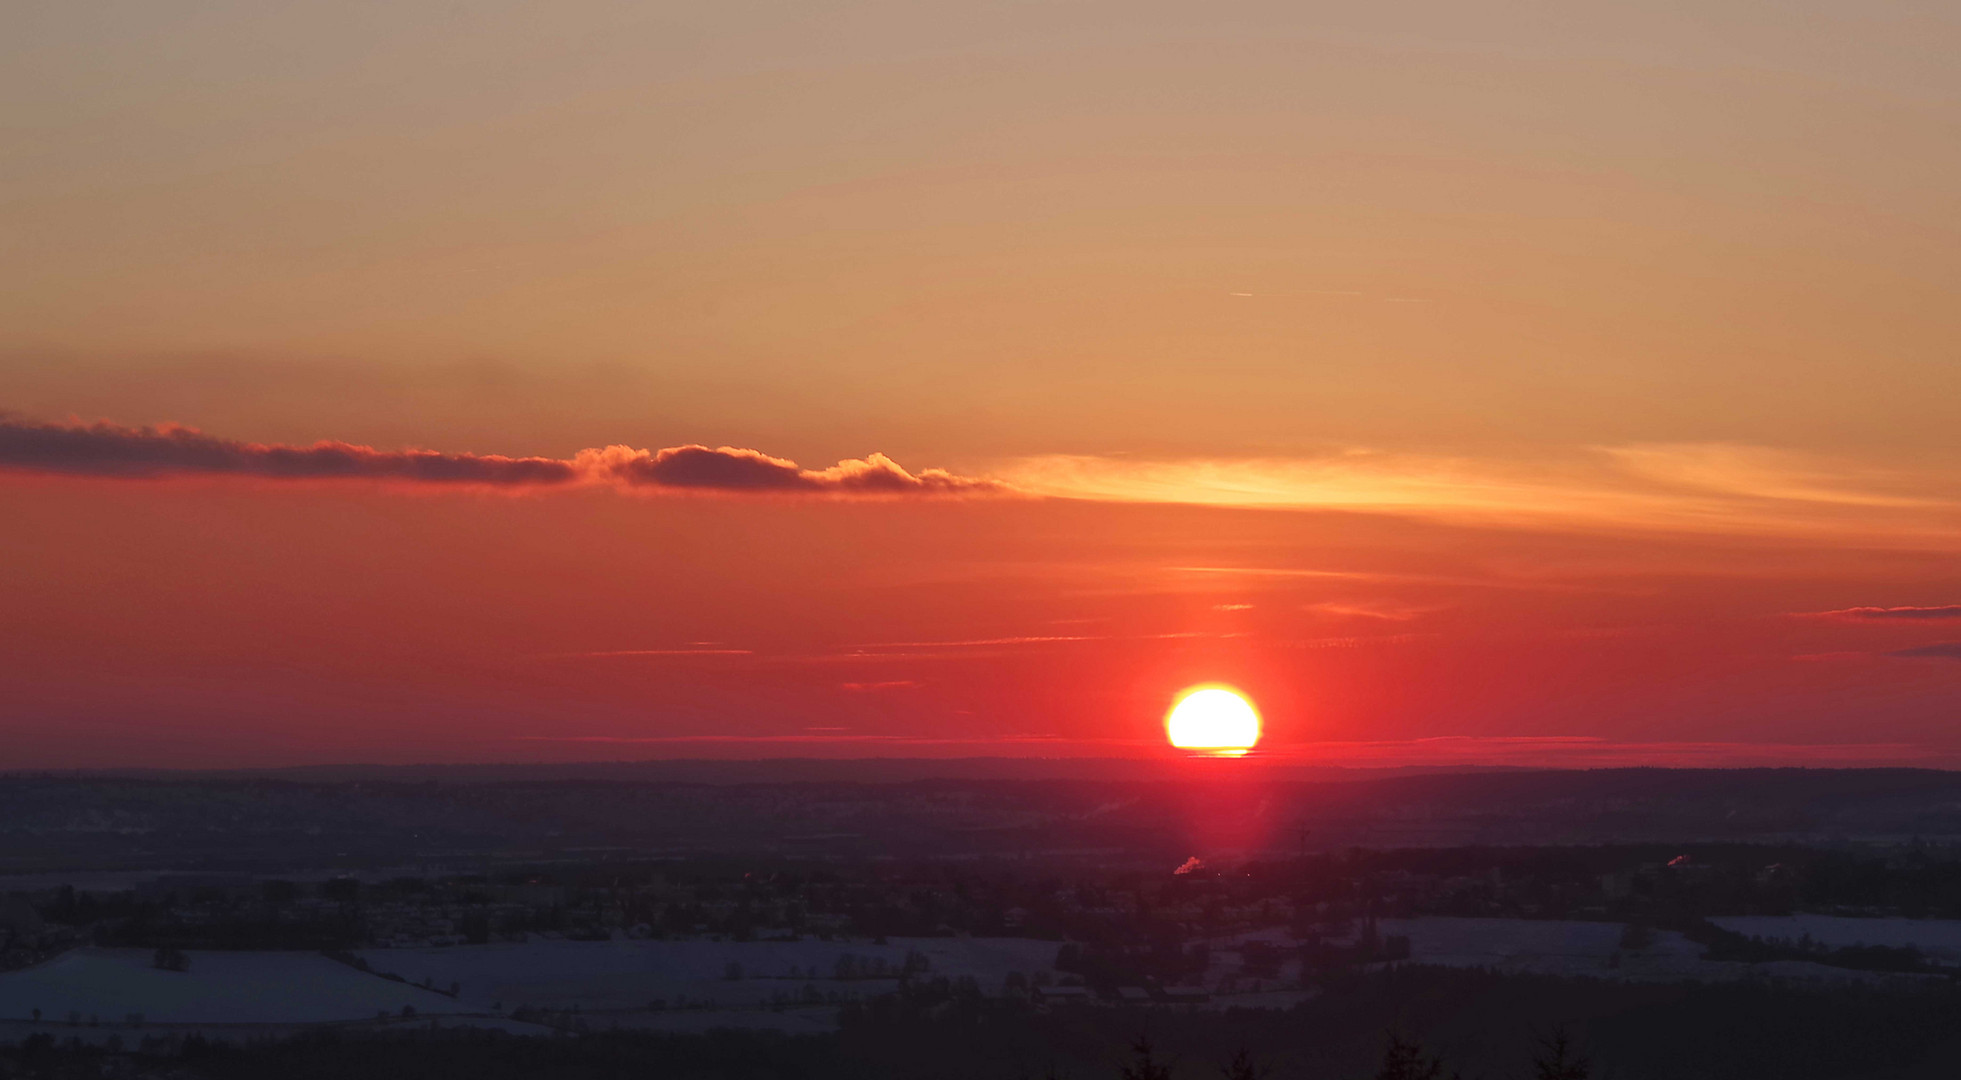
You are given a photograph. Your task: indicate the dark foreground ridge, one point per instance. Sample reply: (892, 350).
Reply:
(1388, 1026)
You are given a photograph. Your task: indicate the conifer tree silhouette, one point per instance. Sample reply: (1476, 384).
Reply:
(1403, 1059)
(1145, 1065)
(1241, 1067)
(1558, 1060)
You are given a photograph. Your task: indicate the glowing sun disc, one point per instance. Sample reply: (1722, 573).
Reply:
(1213, 720)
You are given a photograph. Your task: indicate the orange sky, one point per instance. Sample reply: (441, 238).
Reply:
(1467, 381)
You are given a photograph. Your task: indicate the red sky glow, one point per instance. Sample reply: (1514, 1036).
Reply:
(398, 383)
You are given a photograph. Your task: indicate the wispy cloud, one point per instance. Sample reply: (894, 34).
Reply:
(1764, 474)
(1944, 611)
(728, 468)
(1581, 751)
(1353, 641)
(111, 450)
(1945, 650)
(1283, 573)
(976, 643)
(1388, 611)
(903, 652)
(615, 653)
(1517, 751)
(1677, 487)
(104, 449)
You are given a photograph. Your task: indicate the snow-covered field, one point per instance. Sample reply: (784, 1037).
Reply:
(219, 988)
(1938, 939)
(603, 975)
(706, 984)
(800, 1021)
(1549, 947)
(112, 986)
(1540, 946)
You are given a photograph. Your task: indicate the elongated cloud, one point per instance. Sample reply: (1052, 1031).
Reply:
(103, 449)
(728, 468)
(1944, 611)
(1673, 487)
(112, 450)
(1946, 650)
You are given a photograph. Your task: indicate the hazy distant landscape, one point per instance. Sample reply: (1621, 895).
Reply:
(678, 900)
(1162, 811)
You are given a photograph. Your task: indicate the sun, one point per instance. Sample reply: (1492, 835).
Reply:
(1214, 720)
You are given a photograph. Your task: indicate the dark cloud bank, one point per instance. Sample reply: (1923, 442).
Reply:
(111, 450)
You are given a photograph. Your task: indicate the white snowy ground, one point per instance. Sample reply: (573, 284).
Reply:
(609, 975)
(1525, 945)
(613, 982)
(1549, 947)
(1938, 939)
(219, 988)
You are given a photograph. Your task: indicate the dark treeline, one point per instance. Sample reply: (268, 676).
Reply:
(1113, 926)
(1424, 1022)
(269, 826)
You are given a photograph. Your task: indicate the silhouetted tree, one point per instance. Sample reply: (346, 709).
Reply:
(1145, 1065)
(1403, 1059)
(1241, 1067)
(1558, 1060)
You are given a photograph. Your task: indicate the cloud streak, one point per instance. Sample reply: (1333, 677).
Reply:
(728, 468)
(1586, 751)
(1691, 488)
(1944, 611)
(111, 450)
(1946, 650)
(1683, 488)
(104, 449)
(612, 654)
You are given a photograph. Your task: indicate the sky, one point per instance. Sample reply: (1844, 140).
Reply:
(1467, 382)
